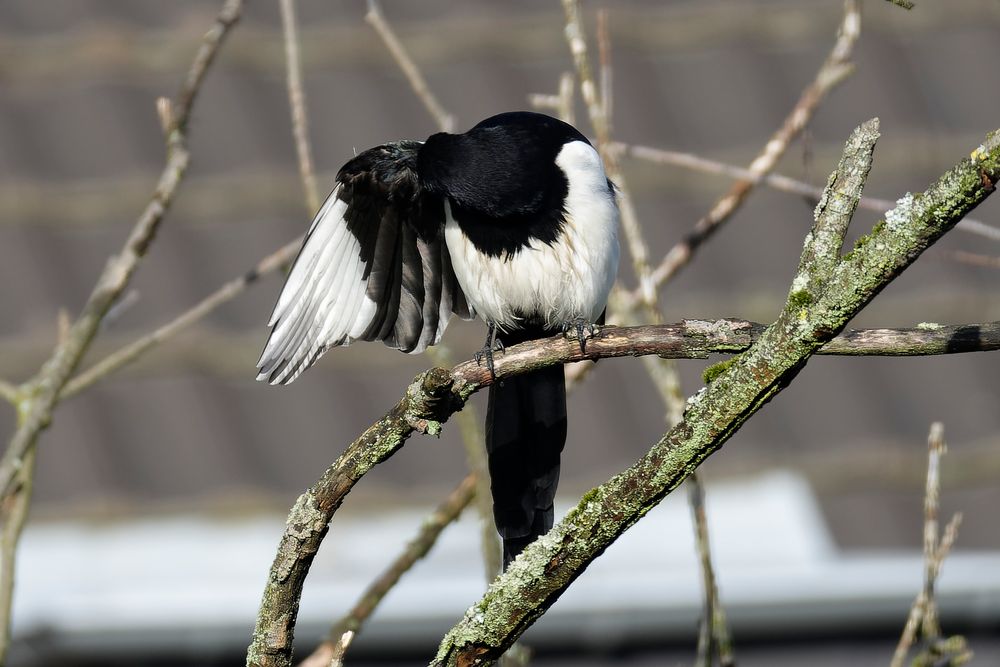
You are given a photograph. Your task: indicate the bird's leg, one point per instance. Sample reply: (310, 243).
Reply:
(579, 326)
(492, 344)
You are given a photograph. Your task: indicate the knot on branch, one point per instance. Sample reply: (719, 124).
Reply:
(430, 400)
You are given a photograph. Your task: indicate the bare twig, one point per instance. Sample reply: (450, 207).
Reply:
(776, 181)
(126, 355)
(932, 501)
(567, 86)
(663, 372)
(470, 427)
(607, 71)
(834, 212)
(376, 20)
(971, 258)
(588, 88)
(472, 436)
(561, 104)
(595, 100)
(296, 99)
(922, 619)
(714, 631)
(469, 422)
(14, 513)
(209, 48)
(834, 69)
(331, 651)
(905, 4)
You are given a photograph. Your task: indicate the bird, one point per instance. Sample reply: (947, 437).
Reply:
(514, 221)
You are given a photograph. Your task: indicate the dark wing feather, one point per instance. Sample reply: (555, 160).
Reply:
(374, 266)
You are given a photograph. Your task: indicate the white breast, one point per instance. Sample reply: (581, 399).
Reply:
(558, 283)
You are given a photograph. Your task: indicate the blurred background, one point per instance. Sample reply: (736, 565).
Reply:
(162, 491)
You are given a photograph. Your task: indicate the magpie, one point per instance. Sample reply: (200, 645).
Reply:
(514, 221)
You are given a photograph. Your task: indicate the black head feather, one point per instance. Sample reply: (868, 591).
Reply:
(502, 179)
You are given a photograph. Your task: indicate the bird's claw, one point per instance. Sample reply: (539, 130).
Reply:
(578, 327)
(492, 345)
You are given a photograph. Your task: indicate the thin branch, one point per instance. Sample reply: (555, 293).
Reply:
(331, 651)
(376, 20)
(296, 100)
(471, 429)
(971, 258)
(714, 631)
(606, 69)
(775, 181)
(567, 87)
(834, 70)
(209, 48)
(663, 372)
(922, 619)
(588, 88)
(905, 4)
(129, 353)
(595, 101)
(14, 514)
(469, 423)
(834, 212)
(562, 103)
(932, 501)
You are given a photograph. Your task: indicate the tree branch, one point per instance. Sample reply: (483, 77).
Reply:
(775, 181)
(835, 209)
(714, 631)
(331, 651)
(376, 20)
(473, 442)
(297, 102)
(15, 515)
(129, 353)
(834, 69)
(922, 618)
(549, 565)
(662, 372)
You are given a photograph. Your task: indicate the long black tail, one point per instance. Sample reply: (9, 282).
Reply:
(525, 434)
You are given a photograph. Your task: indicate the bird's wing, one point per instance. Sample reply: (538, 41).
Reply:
(373, 266)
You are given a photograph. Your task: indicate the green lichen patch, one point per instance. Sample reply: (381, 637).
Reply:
(715, 370)
(800, 299)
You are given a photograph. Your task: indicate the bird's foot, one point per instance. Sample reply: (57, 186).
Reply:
(492, 344)
(581, 329)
